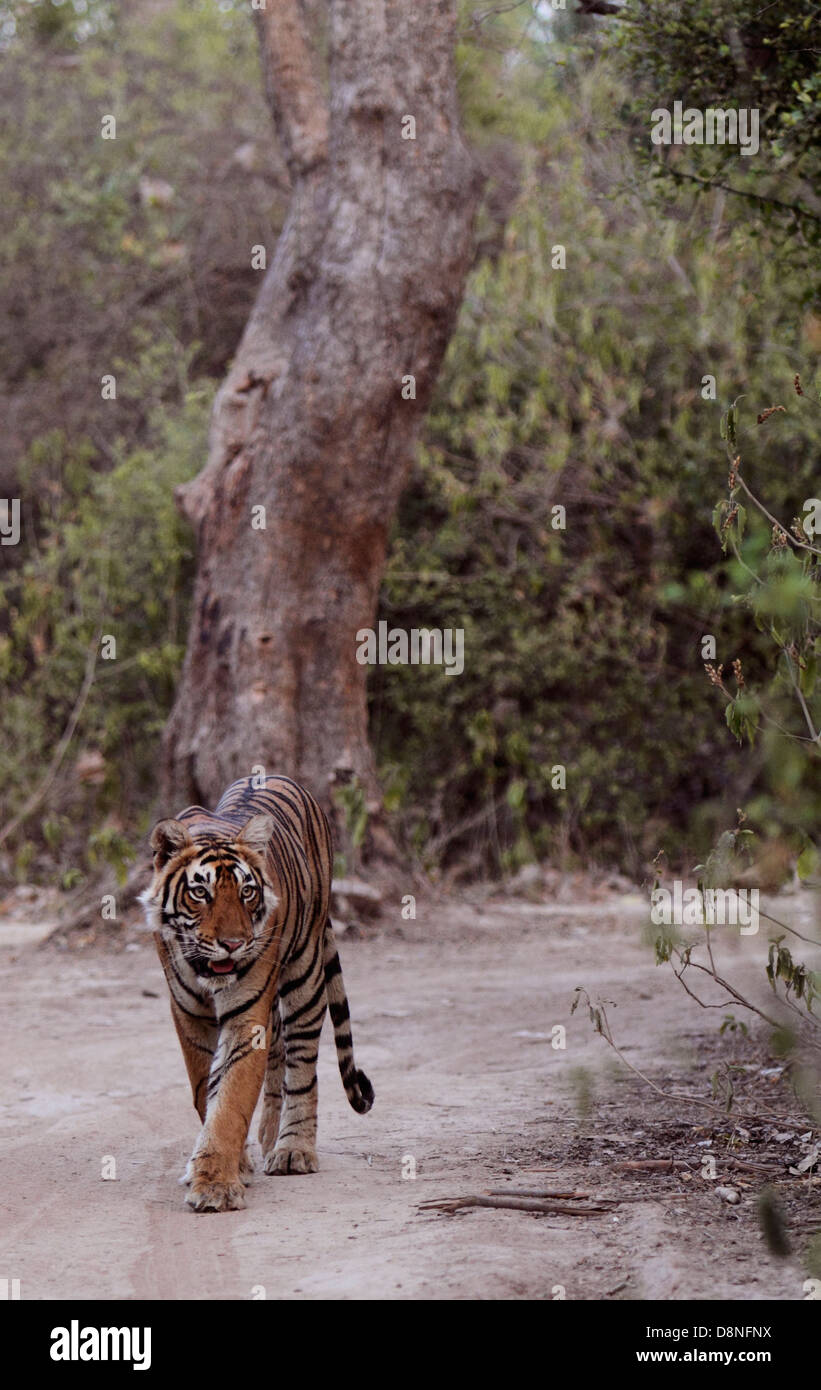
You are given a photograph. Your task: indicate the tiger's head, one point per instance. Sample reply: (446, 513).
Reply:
(211, 900)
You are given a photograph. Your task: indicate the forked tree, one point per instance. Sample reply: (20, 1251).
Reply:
(312, 423)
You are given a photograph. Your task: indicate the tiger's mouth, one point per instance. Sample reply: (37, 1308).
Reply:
(222, 967)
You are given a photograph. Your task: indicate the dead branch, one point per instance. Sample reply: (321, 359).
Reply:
(668, 1165)
(542, 1192)
(547, 1208)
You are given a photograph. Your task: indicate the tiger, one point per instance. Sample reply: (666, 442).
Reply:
(239, 909)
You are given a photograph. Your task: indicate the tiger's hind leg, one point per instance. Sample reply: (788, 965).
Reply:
(303, 1004)
(272, 1091)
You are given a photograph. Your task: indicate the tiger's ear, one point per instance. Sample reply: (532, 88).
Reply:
(167, 839)
(256, 833)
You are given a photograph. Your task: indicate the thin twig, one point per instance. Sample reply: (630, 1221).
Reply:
(802, 545)
(794, 208)
(740, 1000)
(809, 940)
(673, 1095)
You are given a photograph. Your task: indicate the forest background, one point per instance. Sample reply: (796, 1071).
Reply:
(611, 282)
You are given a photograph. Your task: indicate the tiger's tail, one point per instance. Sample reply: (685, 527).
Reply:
(358, 1088)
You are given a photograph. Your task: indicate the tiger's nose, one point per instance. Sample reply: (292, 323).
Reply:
(231, 945)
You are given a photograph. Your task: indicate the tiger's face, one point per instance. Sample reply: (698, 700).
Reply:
(212, 902)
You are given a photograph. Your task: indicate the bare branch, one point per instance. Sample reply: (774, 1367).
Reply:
(797, 209)
(793, 540)
(604, 1030)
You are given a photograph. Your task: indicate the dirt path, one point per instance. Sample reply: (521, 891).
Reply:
(452, 1021)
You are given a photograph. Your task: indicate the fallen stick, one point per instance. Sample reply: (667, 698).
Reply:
(669, 1165)
(451, 1204)
(543, 1192)
(593, 1197)
(747, 1164)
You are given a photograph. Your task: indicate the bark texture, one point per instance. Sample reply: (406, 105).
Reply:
(310, 423)
(363, 288)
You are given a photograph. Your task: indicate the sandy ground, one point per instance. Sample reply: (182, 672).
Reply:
(452, 1021)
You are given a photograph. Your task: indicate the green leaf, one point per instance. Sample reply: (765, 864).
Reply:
(807, 862)
(516, 793)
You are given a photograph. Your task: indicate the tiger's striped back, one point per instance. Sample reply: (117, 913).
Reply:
(287, 801)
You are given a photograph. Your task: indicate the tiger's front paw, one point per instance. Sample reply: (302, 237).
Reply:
(292, 1158)
(246, 1169)
(215, 1182)
(214, 1195)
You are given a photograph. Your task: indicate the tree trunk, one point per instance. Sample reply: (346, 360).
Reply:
(311, 423)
